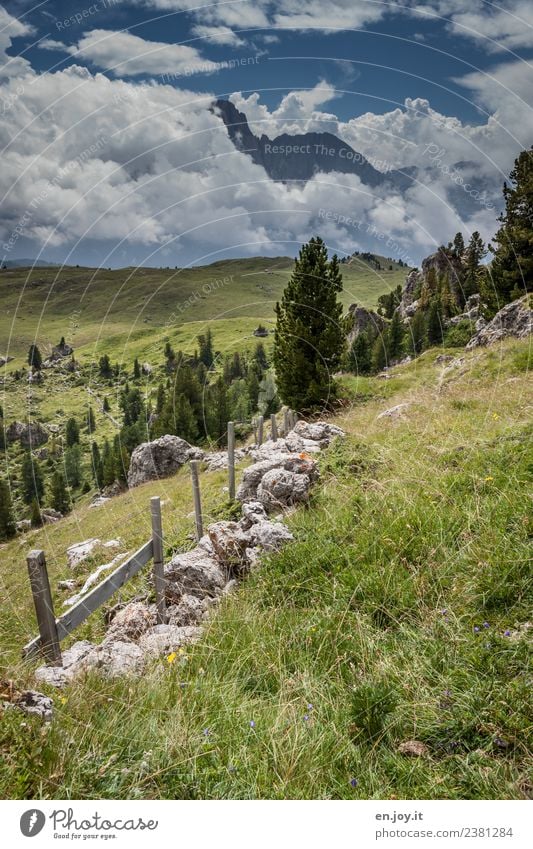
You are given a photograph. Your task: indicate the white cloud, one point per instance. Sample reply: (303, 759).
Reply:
(10, 28)
(127, 55)
(218, 35)
(494, 25)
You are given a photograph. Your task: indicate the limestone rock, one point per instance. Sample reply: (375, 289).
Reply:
(252, 513)
(160, 458)
(514, 319)
(321, 432)
(269, 536)
(30, 435)
(114, 658)
(59, 676)
(361, 319)
(50, 516)
(281, 488)
(193, 573)
(164, 639)
(80, 551)
(131, 622)
(33, 703)
(229, 544)
(190, 611)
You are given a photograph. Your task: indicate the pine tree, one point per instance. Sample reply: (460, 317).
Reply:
(136, 369)
(72, 462)
(434, 323)
(360, 355)
(8, 528)
(395, 336)
(512, 267)
(36, 519)
(105, 405)
(32, 484)
(91, 421)
(121, 460)
(417, 330)
(97, 466)
(59, 493)
(104, 366)
(309, 338)
(35, 359)
(185, 421)
(260, 356)
(108, 465)
(459, 245)
(72, 432)
(206, 354)
(475, 253)
(380, 351)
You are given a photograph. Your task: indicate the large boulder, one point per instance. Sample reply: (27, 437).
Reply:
(160, 459)
(195, 573)
(29, 435)
(280, 488)
(132, 621)
(360, 319)
(514, 319)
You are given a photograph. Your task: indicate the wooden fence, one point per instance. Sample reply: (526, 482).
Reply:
(52, 630)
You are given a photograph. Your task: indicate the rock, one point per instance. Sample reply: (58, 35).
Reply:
(59, 676)
(61, 351)
(30, 435)
(252, 476)
(360, 319)
(189, 611)
(394, 412)
(322, 432)
(131, 622)
(146, 368)
(413, 282)
(297, 444)
(114, 658)
(280, 488)
(42, 454)
(98, 500)
(413, 748)
(229, 544)
(35, 377)
(164, 639)
(50, 516)
(443, 358)
(252, 513)
(160, 458)
(33, 703)
(80, 551)
(219, 459)
(514, 319)
(5, 360)
(193, 573)
(269, 536)
(67, 585)
(23, 525)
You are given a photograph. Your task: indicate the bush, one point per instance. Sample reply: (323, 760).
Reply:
(459, 334)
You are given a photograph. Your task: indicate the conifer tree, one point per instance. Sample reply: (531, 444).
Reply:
(72, 462)
(91, 421)
(512, 267)
(32, 484)
(380, 351)
(417, 330)
(72, 432)
(36, 519)
(136, 369)
(8, 528)
(35, 359)
(59, 493)
(395, 336)
(360, 355)
(97, 466)
(309, 338)
(105, 405)
(434, 323)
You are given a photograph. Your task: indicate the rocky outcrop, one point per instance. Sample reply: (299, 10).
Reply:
(30, 435)
(471, 312)
(444, 264)
(61, 351)
(360, 319)
(160, 459)
(514, 319)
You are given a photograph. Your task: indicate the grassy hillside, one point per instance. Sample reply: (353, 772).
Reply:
(399, 613)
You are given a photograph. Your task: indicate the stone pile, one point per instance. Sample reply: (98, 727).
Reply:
(280, 477)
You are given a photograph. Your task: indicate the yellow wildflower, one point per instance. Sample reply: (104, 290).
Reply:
(171, 657)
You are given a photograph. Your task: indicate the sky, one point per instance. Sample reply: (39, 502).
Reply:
(112, 156)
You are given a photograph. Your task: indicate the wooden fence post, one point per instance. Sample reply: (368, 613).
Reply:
(44, 607)
(286, 421)
(274, 427)
(231, 460)
(158, 567)
(260, 431)
(196, 498)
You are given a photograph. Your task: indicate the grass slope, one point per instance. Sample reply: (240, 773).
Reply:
(399, 613)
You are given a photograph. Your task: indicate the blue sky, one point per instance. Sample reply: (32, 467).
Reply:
(391, 79)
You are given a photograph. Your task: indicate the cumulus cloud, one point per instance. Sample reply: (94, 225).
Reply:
(218, 35)
(128, 55)
(10, 28)
(495, 26)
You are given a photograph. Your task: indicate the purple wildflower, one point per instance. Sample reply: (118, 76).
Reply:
(507, 633)
(306, 717)
(444, 611)
(252, 724)
(353, 782)
(486, 625)
(206, 732)
(309, 707)
(476, 629)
